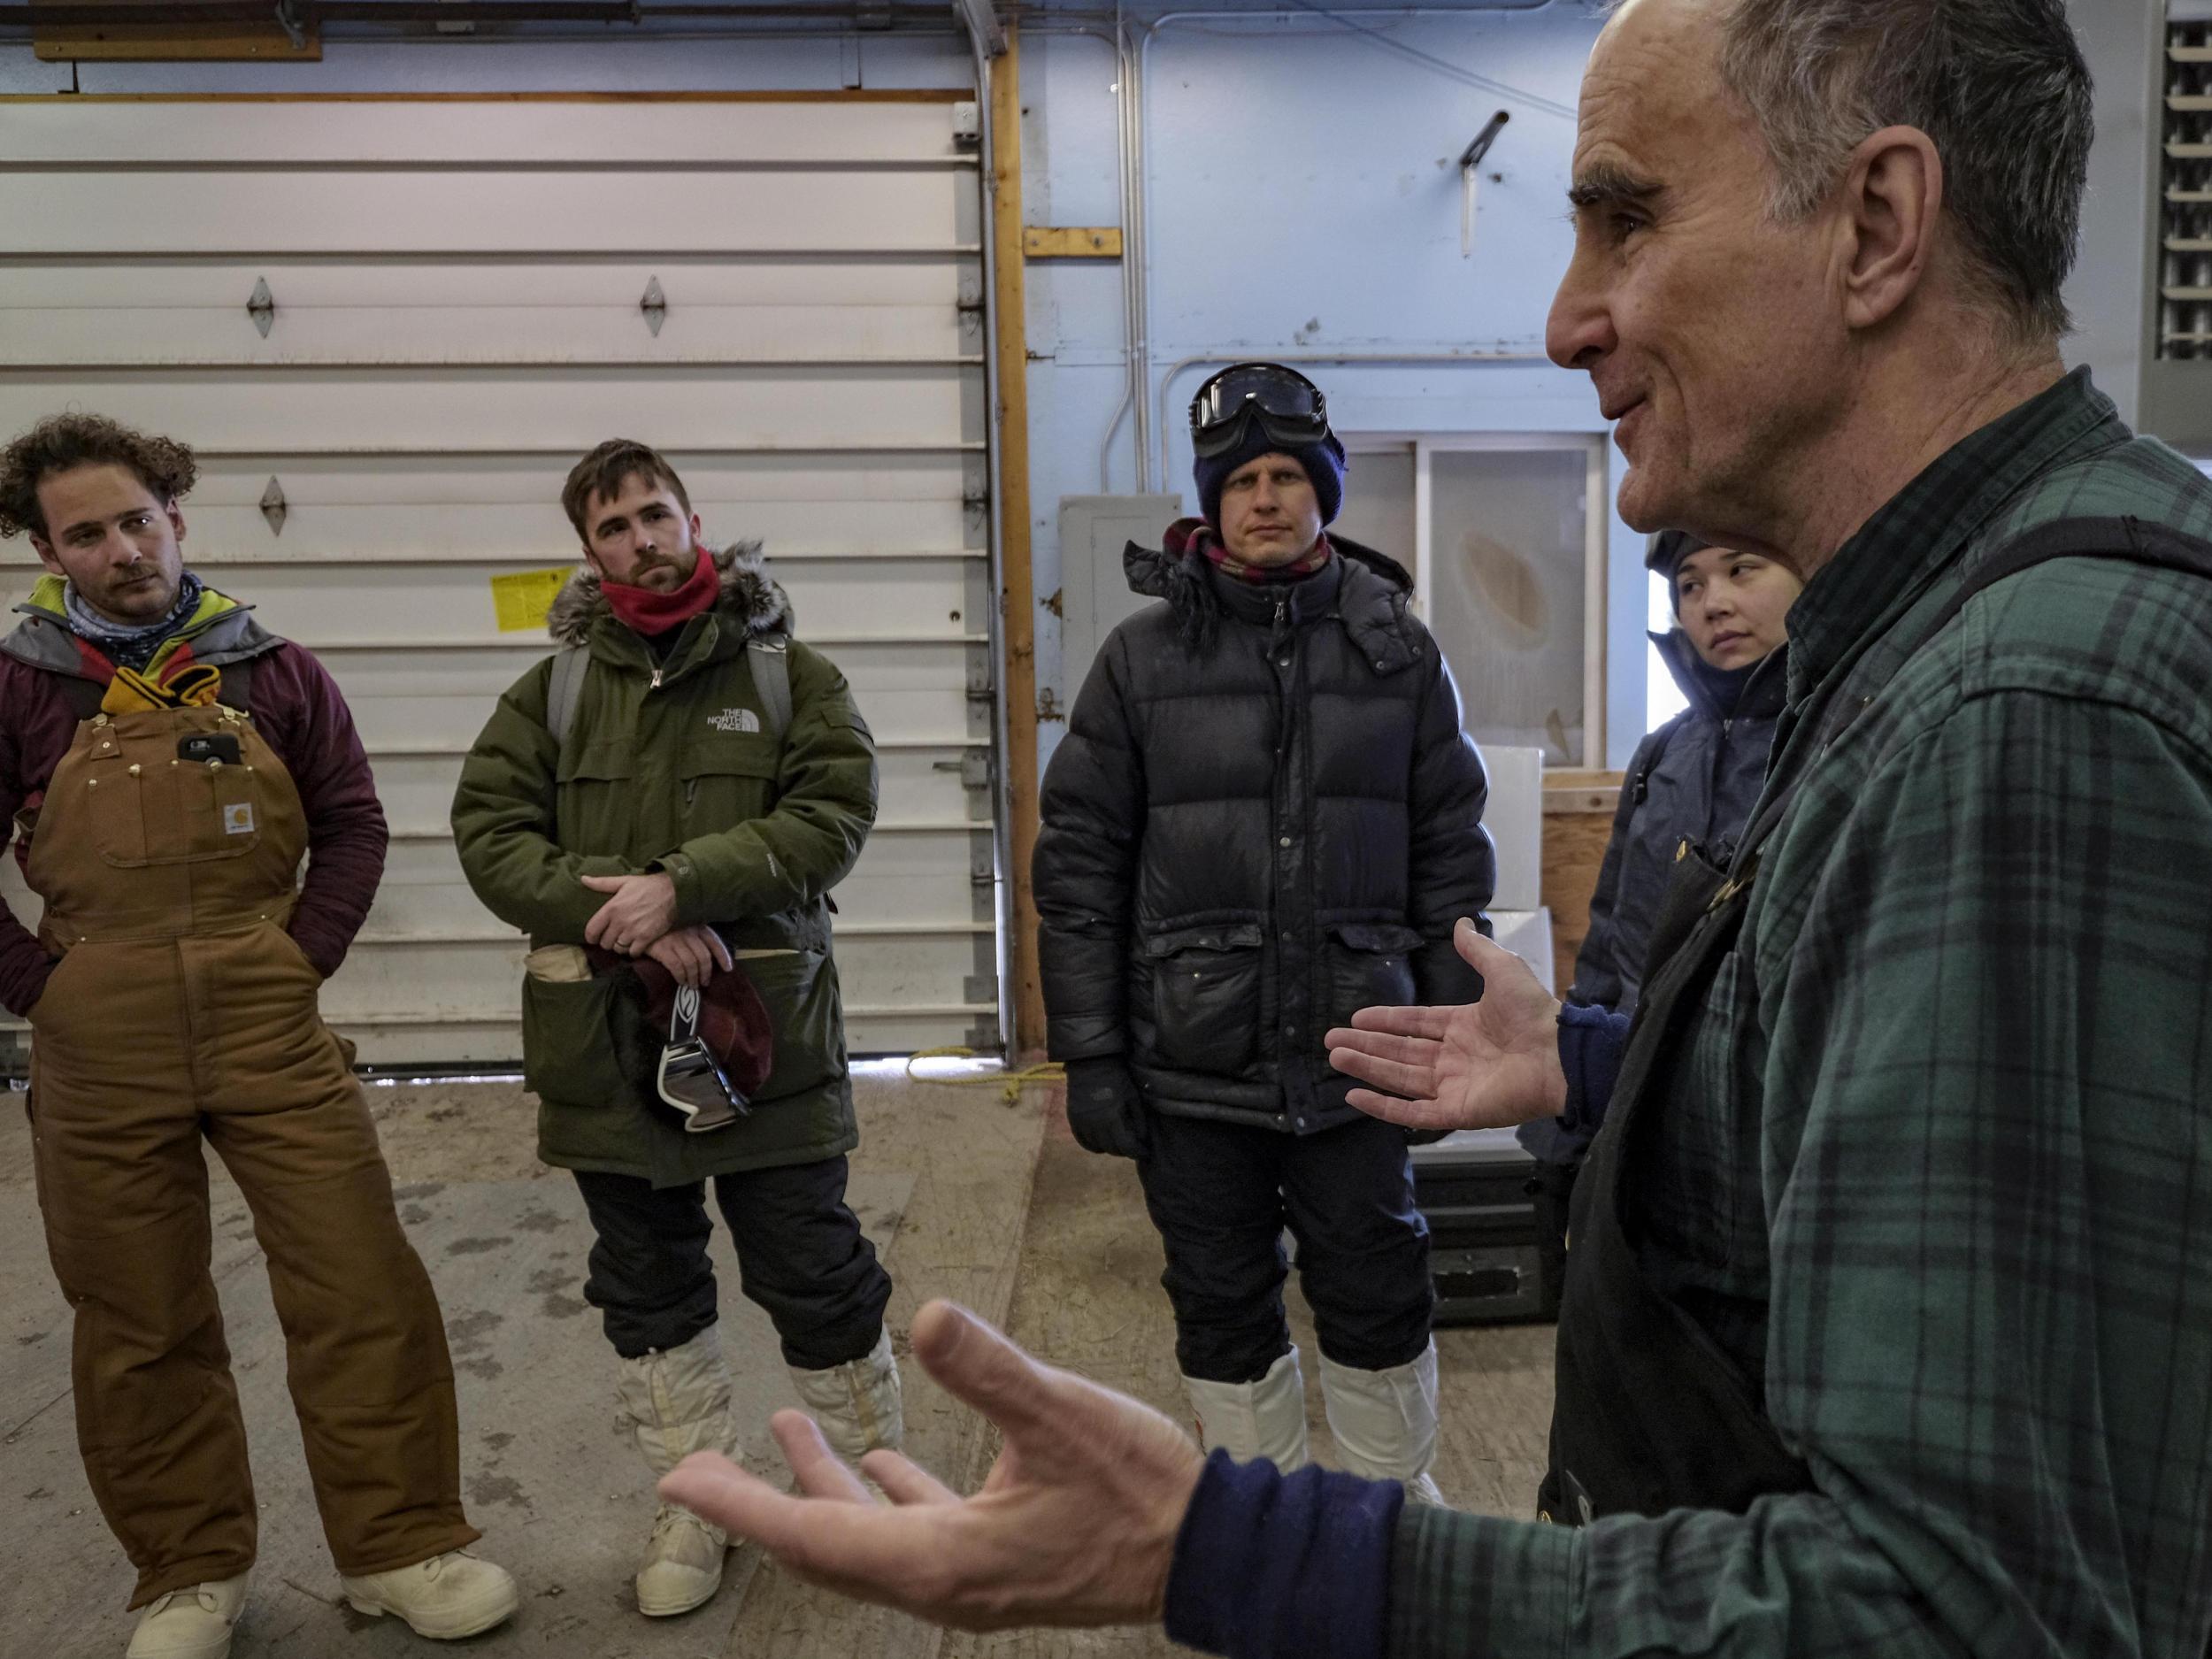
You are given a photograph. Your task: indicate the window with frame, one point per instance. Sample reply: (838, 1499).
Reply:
(1506, 536)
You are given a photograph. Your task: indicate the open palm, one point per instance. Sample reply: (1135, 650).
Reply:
(1076, 1525)
(1489, 1065)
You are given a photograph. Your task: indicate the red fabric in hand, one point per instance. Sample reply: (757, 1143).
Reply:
(734, 1022)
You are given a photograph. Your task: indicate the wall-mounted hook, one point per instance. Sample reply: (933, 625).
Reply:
(1470, 159)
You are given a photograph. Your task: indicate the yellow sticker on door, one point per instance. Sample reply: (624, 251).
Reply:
(522, 598)
(238, 818)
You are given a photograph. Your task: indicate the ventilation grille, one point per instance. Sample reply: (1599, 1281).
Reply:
(2184, 331)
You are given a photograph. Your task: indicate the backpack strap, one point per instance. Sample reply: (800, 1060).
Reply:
(769, 655)
(1640, 784)
(2126, 539)
(566, 690)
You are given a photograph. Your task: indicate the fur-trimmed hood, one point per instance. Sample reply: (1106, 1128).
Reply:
(748, 593)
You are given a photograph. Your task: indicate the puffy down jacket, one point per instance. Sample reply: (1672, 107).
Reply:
(1263, 816)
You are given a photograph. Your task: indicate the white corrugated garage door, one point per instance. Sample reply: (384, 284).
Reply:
(457, 291)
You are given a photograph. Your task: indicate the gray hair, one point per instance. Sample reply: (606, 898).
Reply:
(1999, 86)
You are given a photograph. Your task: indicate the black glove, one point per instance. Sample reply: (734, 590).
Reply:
(1106, 1110)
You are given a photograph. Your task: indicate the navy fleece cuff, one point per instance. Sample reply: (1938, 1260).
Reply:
(1592, 1042)
(1268, 1565)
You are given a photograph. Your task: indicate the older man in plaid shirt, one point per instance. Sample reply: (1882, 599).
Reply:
(1889, 1313)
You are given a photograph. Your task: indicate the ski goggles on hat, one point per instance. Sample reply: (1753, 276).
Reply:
(1284, 403)
(691, 1080)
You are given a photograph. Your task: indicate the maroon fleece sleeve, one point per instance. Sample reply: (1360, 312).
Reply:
(24, 963)
(298, 708)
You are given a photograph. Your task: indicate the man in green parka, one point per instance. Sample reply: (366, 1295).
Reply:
(685, 782)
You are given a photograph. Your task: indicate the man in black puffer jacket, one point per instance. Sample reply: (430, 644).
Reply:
(1263, 818)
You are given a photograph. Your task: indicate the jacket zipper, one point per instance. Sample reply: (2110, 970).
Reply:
(691, 786)
(1281, 647)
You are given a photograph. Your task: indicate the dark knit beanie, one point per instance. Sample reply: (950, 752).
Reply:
(1323, 462)
(1669, 549)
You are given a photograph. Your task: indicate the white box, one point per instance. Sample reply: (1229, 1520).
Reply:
(1527, 935)
(1515, 818)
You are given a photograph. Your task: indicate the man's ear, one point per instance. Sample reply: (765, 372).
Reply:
(176, 517)
(44, 549)
(1893, 197)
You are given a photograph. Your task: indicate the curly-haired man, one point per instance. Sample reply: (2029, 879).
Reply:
(168, 763)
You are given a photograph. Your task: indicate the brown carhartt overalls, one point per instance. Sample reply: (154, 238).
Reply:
(181, 1008)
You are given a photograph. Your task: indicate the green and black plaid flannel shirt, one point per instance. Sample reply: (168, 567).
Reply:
(1938, 1150)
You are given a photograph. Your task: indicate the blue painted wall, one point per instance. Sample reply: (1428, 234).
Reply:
(1305, 198)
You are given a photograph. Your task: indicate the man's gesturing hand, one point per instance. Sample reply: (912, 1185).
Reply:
(643, 908)
(1075, 1525)
(1486, 1065)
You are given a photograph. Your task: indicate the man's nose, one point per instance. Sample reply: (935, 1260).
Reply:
(1579, 330)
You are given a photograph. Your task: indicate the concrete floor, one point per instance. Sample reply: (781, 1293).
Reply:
(968, 1195)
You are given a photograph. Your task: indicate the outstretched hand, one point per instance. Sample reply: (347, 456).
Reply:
(1489, 1065)
(1075, 1525)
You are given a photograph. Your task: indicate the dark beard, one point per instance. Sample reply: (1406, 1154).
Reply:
(645, 567)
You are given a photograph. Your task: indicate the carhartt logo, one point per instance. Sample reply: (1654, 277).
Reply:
(734, 720)
(238, 818)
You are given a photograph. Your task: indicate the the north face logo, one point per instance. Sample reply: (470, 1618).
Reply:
(734, 720)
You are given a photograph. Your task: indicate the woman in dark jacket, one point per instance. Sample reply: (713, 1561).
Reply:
(1697, 777)
(1264, 816)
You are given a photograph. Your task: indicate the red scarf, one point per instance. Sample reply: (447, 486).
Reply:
(643, 611)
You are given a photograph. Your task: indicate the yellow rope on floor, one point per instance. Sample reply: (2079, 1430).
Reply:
(1009, 1084)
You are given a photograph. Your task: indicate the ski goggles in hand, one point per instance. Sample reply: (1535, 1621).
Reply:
(1287, 405)
(691, 1080)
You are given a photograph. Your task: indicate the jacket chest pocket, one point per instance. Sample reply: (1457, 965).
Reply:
(1206, 997)
(726, 779)
(145, 808)
(597, 785)
(1370, 965)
